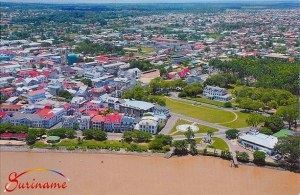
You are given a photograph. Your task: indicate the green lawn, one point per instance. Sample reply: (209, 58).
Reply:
(202, 128)
(220, 144)
(240, 122)
(207, 101)
(198, 140)
(205, 113)
(212, 115)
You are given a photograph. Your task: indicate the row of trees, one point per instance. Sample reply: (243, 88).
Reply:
(95, 134)
(87, 47)
(139, 93)
(274, 123)
(8, 127)
(33, 134)
(136, 136)
(259, 98)
(222, 80)
(263, 73)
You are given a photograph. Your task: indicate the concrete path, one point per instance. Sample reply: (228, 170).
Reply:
(170, 123)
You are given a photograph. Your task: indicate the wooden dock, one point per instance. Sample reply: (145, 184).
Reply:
(234, 162)
(170, 153)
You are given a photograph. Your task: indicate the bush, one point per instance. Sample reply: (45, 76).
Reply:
(136, 148)
(182, 94)
(141, 136)
(227, 104)
(156, 144)
(95, 134)
(242, 156)
(259, 157)
(127, 136)
(266, 131)
(30, 139)
(70, 148)
(226, 154)
(180, 147)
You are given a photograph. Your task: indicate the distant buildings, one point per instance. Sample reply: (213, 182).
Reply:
(37, 95)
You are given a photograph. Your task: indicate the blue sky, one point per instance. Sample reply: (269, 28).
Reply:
(137, 1)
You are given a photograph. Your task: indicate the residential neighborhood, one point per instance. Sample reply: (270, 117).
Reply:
(160, 80)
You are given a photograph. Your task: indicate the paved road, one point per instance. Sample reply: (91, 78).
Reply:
(170, 123)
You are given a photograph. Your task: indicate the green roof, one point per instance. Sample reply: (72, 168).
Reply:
(53, 138)
(282, 133)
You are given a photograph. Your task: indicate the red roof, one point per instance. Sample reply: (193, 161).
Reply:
(7, 106)
(31, 73)
(98, 118)
(66, 105)
(102, 58)
(184, 72)
(31, 93)
(46, 113)
(113, 118)
(2, 115)
(92, 112)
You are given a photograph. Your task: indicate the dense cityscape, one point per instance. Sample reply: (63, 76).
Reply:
(166, 80)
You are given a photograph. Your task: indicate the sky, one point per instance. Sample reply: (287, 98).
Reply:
(137, 1)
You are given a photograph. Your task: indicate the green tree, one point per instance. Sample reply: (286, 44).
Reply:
(266, 130)
(88, 133)
(189, 134)
(180, 147)
(193, 148)
(242, 156)
(87, 82)
(290, 147)
(274, 122)
(127, 136)
(226, 154)
(259, 157)
(37, 132)
(156, 144)
(166, 139)
(65, 94)
(60, 132)
(30, 139)
(289, 114)
(255, 119)
(70, 133)
(227, 104)
(141, 136)
(232, 133)
(99, 135)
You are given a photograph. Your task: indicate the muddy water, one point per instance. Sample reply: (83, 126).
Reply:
(124, 174)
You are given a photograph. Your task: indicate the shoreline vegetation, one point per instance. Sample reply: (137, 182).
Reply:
(17, 148)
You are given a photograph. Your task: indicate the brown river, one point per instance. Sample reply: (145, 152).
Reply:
(136, 175)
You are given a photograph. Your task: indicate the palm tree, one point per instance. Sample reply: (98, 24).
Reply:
(189, 134)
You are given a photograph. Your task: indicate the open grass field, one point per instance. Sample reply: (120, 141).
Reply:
(207, 101)
(202, 128)
(240, 122)
(205, 113)
(220, 144)
(200, 112)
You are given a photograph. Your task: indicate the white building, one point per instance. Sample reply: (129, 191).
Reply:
(258, 141)
(216, 93)
(149, 124)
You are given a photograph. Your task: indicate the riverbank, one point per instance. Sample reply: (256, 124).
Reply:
(131, 174)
